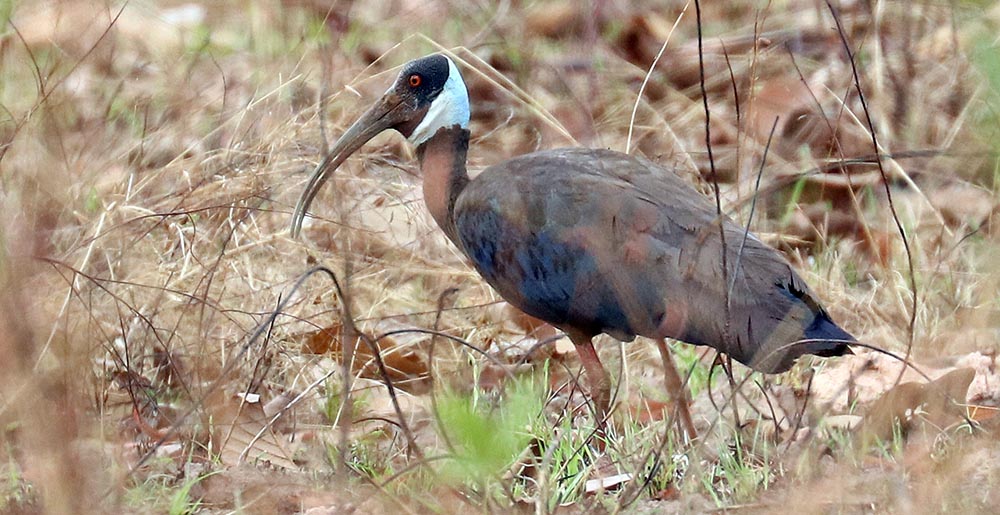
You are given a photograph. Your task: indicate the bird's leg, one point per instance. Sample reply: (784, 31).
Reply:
(597, 376)
(676, 388)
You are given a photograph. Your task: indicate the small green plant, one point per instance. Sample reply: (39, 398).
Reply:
(691, 366)
(567, 460)
(892, 448)
(15, 491)
(487, 437)
(793, 200)
(364, 456)
(333, 401)
(156, 488)
(181, 502)
(316, 31)
(742, 471)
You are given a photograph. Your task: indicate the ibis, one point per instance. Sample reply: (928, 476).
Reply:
(596, 242)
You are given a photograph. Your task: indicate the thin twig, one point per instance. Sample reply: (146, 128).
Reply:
(843, 161)
(645, 79)
(430, 367)
(711, 161)
(885, 182)
(753, 208)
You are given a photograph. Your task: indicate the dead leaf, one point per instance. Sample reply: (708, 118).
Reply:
(374, 406)
(534, 327)
(670, 493)
(493, 375)
(242, 433)
(555, 19)
(984, 413)
(646, 411)
(278, 407)
(946, 396)
(401, 360)
(908, 404)
(75, 26)
(962, 204)
(842, 422)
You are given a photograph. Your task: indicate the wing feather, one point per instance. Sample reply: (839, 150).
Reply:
(605, 242)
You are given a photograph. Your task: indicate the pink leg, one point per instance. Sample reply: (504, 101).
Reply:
(677, 389)
(597, 376)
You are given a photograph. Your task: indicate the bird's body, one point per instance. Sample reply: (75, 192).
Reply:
(604, 242)
(596, 241)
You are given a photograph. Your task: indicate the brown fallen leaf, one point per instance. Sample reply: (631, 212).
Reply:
(555, 19)
(242, 434)
(402, 362)
(946, 397)
(76, 27)
(842, 422)
(961, 203)
(642, 36)
(817, 221)
(984, 413)
(375, 405)
(278, 409)
(536, 331)
(534, 327)
(670, 493)
(493, 376)
(145, 428)
(646, 411)
(908, 404)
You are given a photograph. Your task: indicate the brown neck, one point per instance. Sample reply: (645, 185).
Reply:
(442, 163)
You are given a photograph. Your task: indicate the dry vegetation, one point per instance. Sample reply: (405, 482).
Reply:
(159, 354)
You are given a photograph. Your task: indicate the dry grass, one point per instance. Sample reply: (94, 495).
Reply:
(150, 157)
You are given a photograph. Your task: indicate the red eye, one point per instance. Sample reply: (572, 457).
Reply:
(415, 80)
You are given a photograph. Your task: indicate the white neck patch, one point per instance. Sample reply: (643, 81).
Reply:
(451, 107)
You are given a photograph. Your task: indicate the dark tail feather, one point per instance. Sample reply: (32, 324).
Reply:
(823, 330)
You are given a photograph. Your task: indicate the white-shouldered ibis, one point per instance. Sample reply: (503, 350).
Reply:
(596, 241)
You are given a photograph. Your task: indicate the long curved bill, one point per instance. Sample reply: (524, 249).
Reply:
(383, 115)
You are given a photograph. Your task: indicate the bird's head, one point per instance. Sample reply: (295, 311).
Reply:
(428, 95)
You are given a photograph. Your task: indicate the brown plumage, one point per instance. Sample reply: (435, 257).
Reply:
(596, 241)
(624, 247)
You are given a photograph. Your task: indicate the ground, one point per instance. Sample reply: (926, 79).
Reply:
(166, 346)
